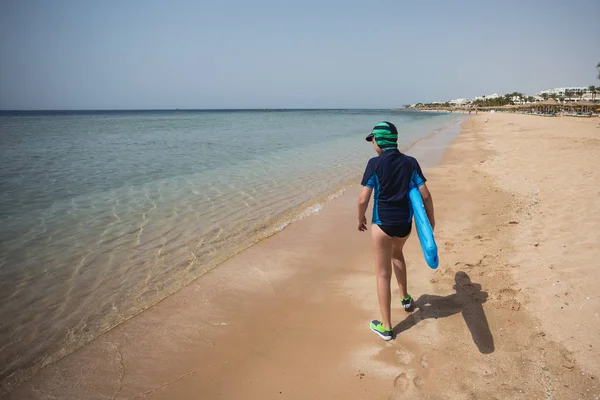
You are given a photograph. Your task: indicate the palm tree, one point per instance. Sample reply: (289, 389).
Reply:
(545, 96)
(568, 93)
(598, 66)
(592, 90)
(530, 99)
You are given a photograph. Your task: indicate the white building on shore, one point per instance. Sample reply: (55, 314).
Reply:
(577, 91)
(487, 97)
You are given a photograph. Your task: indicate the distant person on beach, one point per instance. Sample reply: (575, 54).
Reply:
(390, 175)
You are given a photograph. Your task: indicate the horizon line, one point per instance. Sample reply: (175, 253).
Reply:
(190, 109)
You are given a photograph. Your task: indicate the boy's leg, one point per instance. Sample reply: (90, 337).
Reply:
(382, 244)
(399, 264)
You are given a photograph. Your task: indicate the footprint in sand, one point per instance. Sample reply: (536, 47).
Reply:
(507, 299)
(418, 382)
(402, 383)
(511, 391)
(506, 293)
(403, 356)
(424, 362)
(483, 370)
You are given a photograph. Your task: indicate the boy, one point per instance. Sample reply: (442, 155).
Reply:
(390, 175)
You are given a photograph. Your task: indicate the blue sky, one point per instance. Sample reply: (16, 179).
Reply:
(108, 54)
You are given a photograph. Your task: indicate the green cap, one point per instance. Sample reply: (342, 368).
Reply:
(385, 135)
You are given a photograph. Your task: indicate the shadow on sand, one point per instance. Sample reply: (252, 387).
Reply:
(467, 300)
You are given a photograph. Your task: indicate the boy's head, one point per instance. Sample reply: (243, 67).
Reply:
(384, 137)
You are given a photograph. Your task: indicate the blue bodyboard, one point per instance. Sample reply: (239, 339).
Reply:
(430, 250)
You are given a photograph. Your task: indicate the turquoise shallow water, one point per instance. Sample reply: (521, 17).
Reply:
(102, 214)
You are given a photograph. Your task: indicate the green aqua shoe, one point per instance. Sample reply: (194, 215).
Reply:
(408, 303)
(377, 327)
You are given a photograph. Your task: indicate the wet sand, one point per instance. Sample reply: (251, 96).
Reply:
(511, 313)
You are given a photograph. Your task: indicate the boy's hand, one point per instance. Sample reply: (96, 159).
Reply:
(362, 224)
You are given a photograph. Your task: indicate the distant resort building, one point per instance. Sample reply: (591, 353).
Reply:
(487, 97)
(575, 92)
(583, 101)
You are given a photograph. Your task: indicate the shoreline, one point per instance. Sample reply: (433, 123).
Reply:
(288, 317)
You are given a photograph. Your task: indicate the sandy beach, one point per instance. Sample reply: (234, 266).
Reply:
(511, 313)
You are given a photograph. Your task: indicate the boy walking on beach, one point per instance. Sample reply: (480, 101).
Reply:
(390, 176)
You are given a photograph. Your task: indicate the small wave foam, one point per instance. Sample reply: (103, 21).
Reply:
(335, 195)
(308, 211)
(313, 209)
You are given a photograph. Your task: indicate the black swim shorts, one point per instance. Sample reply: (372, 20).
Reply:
(400, 231)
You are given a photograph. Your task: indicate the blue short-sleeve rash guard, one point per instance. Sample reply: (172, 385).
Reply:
(391, 175)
